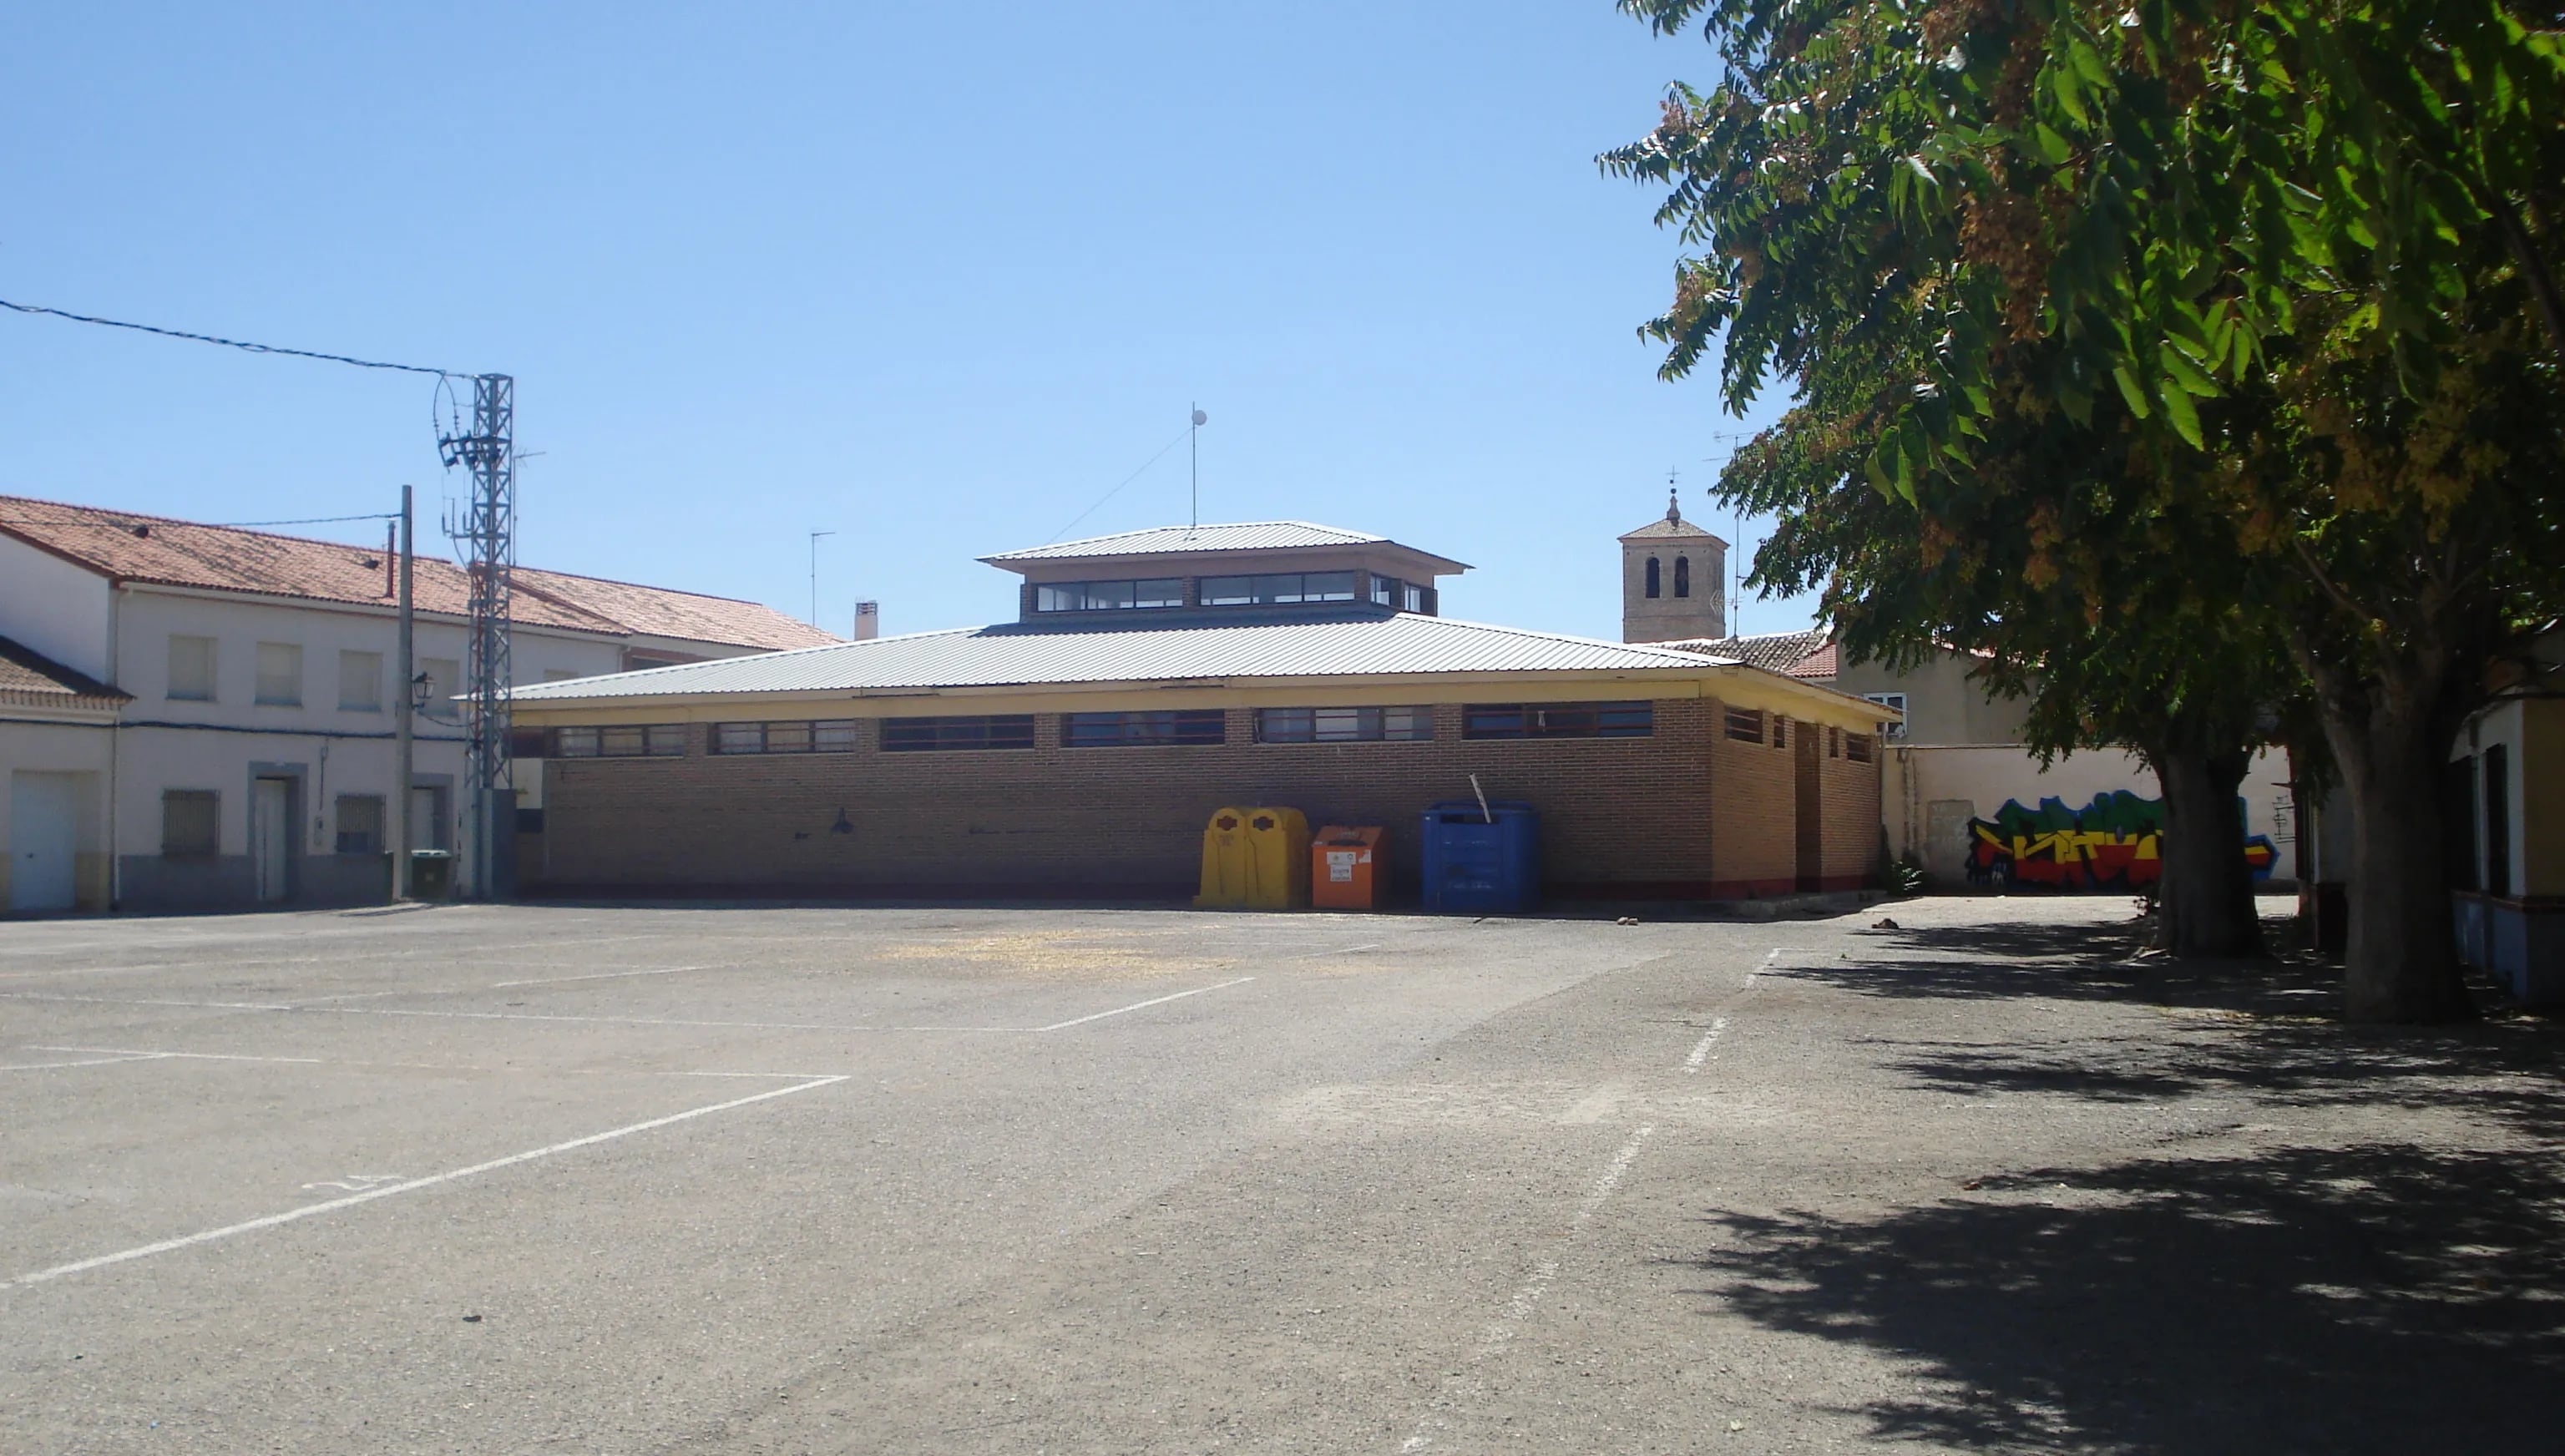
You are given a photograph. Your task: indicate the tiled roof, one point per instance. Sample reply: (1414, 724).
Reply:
(1810, 654)
(28, 676)
(1355, 640)
(660, 613)
(1671, 525)
(156, 549)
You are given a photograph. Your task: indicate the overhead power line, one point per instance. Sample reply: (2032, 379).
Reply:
(240, 343)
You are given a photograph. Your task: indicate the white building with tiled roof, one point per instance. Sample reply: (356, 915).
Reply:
(243, 751)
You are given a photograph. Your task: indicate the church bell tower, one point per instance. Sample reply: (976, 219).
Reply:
(1673, 581)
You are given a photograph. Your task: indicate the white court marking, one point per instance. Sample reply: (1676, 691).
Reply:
(1141, 1005)
(600, 976)
(390, 1191)
(1501, 1333)
(646, 1021)
(1701, 1053)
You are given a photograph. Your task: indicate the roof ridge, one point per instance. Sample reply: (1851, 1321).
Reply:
(1674, 654)
(147, 518)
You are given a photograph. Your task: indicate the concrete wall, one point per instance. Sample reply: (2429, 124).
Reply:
(1673, 815)
(56, 607)
(1937, 791)
(1942, 706)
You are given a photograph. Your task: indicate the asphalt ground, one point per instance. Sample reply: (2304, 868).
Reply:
(770, 1179)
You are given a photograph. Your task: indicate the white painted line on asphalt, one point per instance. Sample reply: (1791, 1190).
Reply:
(145, 1001)
(1501, 1333)
(92, 1062)
(167, 1246)
(1339, 950)
(1141, 1005)
(1700, 1054)
(186, 1056)
(598, 976)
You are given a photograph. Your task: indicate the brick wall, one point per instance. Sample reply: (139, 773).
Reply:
(1849, 794)
(1755, 820)
(1682, 813)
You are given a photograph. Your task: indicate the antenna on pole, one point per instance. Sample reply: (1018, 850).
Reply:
(1193, 443)
(815, 574)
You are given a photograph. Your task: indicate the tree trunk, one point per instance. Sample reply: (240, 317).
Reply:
(2401, 962)
(2208, 909)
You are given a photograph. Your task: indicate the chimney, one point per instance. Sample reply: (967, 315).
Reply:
(867, 621)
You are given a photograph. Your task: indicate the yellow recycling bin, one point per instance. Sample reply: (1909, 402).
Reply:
(1255, 859)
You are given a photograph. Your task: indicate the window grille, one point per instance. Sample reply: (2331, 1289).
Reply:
(1558, 720)
(1343, 725)
(1186, 726)
(957, 734)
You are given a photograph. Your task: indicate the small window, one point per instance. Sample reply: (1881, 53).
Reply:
(280, 674)
(1415, 597)
(361, 823)
(189, 819)
(1384, 592)
(957, 734)
(1190, 726)
(1558, 720)
(1683, 575)
(1857, 746)
(1781, 731)
(657, 740)
(1897, 730)
(1834, 743)
(191, 669)
(361, 682)
(830, 735)
(1343, 725)
(1746, 725)
(1652, 577)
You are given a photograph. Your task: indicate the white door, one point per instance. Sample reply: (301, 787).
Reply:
(271, 834)
(43, 832)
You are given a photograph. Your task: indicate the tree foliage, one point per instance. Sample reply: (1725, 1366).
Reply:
(2245, 310)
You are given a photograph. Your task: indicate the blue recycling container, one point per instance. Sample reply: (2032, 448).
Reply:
(1474, 866)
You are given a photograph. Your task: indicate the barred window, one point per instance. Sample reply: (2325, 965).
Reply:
(1746, 725)
(1857, 746)
(1781, 731)
(826, 735)
(361, 823)
(957, 734)
(1558, 720)
(189, 818)
(1160, 726)
(656, 740)
(1343, 725)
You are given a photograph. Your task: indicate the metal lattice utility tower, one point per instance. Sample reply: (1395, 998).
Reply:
(489, 531)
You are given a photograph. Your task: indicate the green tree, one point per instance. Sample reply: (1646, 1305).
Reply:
(2306, 249)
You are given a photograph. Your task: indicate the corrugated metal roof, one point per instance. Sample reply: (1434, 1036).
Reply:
(1167, 540)
(1012, 655)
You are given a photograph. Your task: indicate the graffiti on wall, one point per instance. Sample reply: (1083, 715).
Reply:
(2113, 843)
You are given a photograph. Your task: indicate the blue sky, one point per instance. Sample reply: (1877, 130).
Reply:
(932, 277)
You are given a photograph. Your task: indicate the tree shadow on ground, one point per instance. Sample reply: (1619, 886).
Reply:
(2379, 1298)
(2270, 1028)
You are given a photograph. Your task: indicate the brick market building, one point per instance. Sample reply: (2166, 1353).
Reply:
(1156, 676)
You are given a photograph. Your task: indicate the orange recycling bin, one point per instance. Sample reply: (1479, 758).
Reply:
(1344, 868)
